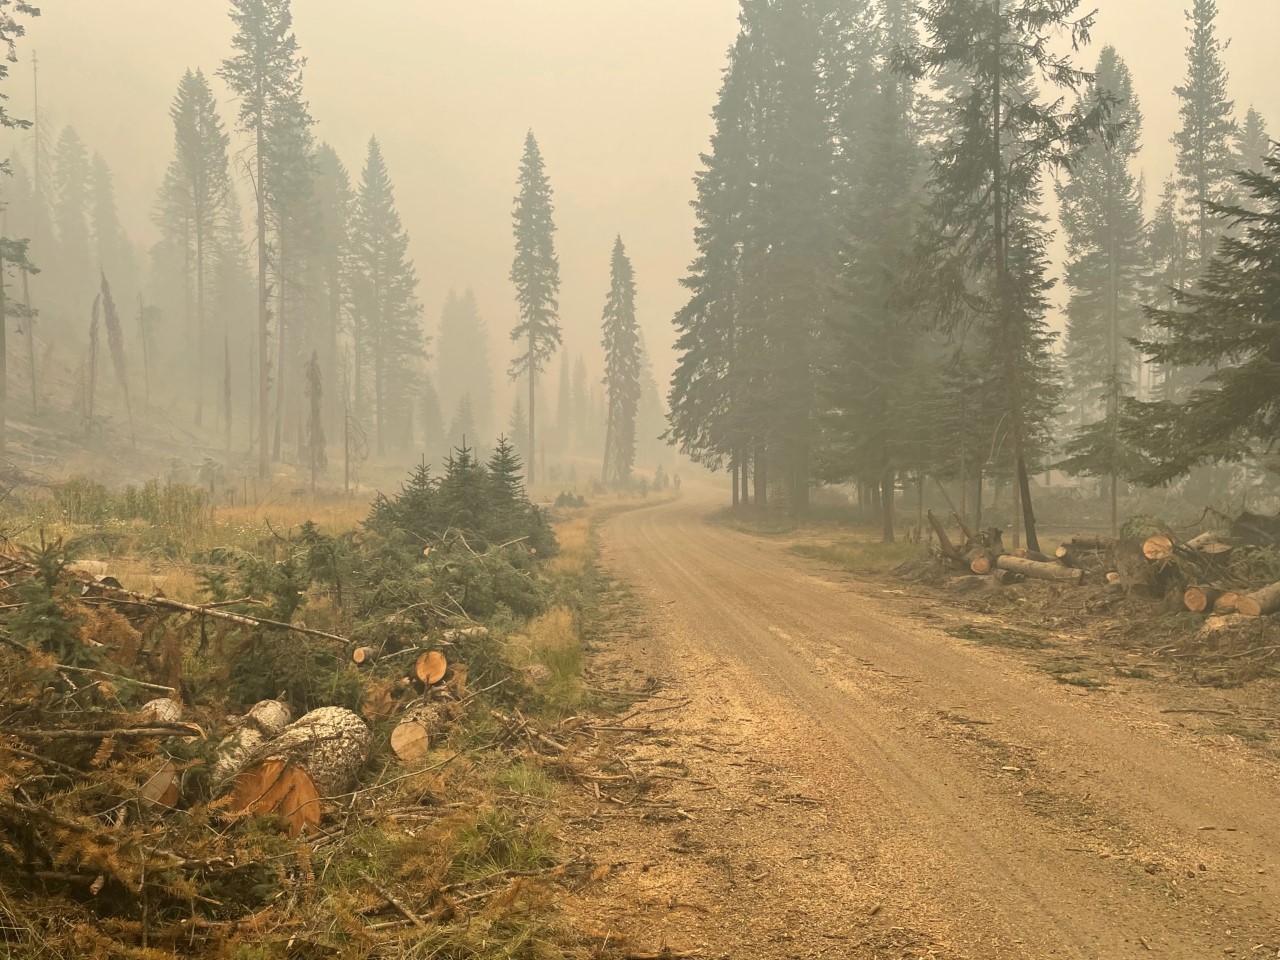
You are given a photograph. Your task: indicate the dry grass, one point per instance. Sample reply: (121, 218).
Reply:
(574, 538)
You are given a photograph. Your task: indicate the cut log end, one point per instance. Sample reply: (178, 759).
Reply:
(1158, 547)
(364, 655)
(410, 740)
(431, 668)
(1201, 599)
(278, 787)
(1260, 603)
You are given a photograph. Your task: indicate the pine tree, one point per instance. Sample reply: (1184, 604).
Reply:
(265, 73)
(1252, 145)
(386, 299)
(1204, 140)
(580, 406)
(535, 272)
(1230, 323)
(194, 199)
(623, 361)
(1102, 217)
(111, 246)
(986, 178)
(11, 31)
(462, 357)
(72, 185)
(870, 374)
(335, 206)
(564, 408)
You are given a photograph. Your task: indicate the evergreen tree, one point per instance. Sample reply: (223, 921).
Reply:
(1252, 145)
(335, 205)
(111, 246)
(72, 186)
(1230, 323)
(986, 179)
(1170, 261)
(870, 374)
(13, 255)
(386, 299)
(1204, 140)
(265, 73)
(535, 272)
(462, 431)
(194, 200)
(462, 357)
(1102, 217)
(623, 359)
(11, 31)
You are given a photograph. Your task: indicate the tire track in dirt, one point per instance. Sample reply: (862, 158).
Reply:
(860, 785)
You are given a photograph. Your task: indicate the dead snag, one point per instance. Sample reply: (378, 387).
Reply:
(1260, 603)
(1036, 570)
(1200, 599)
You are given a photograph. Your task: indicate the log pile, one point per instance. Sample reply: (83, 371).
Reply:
(1208, 573)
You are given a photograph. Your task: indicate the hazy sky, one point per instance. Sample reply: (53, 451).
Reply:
(618, 91)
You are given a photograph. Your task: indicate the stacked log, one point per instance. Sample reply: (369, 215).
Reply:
(1260, 603)
(1036, 570)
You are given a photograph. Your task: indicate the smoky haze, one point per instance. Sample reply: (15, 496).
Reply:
(618, 92)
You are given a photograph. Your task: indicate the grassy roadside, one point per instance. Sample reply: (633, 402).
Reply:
(458, 854)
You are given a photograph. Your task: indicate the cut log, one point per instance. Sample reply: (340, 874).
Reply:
(161, 788)
(1256, 529)
(1260, 603)
(411, 739)
(1113, 577)
(981, 562)
(1140, 577)
(1158, 547)
(280, 788)
(1227, 603)
(162, 710)
(320, 756)
(235, 751)
(1027, 554)
(431, 668)
(1036, 570)
(1210, 544)
(1007, 578)
(270, 717)
(364, 655)
(465, 633)
(1199, 599)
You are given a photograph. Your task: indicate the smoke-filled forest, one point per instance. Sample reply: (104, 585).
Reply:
(847, 525)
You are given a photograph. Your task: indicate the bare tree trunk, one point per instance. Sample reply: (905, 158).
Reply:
(4, 360)
(264, 416)
(886, 505)
(226, 384)
(282, 362)
(733, 469)
(533, 413)
(31, 341)
(200, 331)
(761, 479)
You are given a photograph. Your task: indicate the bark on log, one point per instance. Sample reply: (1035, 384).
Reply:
(163, 710)
(364, 655)
(1201, 599)
(1007, 578)
(1138, 575)
(234, 752)
(1210, 544)
(1036, 570)
(465, 633)
(1027, 554)
(1260, 603)
(1158, 547)
(270, 717)
(318, 757)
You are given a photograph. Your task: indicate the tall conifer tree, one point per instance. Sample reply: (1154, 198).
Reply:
(386, 286)
(622, 369)
(535, 272)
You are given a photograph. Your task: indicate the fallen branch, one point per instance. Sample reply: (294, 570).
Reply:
(127, 732)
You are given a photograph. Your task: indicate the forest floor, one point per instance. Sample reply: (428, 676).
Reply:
(853, 767)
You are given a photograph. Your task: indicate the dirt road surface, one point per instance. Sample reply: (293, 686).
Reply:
(847, 782)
